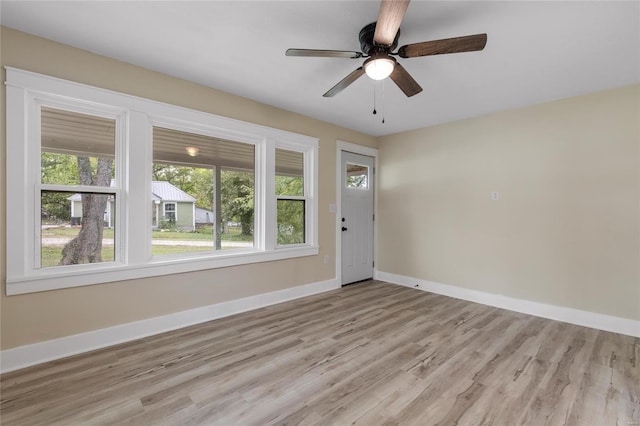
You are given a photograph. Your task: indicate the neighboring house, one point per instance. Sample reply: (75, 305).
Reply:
(169, 204)
(174, 205)
(76, 211)
(204, 216)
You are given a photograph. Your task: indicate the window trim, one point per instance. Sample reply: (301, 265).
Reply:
(133, 191)
(174, 211)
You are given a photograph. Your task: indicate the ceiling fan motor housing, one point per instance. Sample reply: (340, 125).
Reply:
(367, 44)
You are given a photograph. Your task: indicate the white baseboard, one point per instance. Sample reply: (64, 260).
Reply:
(558, 313)
(25, 356)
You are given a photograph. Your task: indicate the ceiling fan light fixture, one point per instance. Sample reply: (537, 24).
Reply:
(379, 67)
(192, 151)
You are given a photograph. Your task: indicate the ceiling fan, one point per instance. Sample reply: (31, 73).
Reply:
(379, 39)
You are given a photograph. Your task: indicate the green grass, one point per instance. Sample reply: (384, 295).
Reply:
(234, 234)
(200, 234)
(71, 232)
(160, 250)
(51, 255)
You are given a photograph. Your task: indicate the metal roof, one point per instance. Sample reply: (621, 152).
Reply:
(160, 190)
(167, 192)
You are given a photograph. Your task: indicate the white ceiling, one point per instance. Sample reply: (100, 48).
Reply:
(536, 51)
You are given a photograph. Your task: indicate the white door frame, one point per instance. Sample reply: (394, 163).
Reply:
(362, 150)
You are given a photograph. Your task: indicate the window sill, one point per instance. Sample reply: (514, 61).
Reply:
(54, 280)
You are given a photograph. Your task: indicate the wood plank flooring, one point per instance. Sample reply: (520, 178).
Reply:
(370, 354)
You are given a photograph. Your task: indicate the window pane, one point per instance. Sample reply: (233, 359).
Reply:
(237, 208)
(175, 228)
(170, 212)
(291, 222)
(76, 228)
(357, 176)
(289, 172)
(76, 148)
(185, 217)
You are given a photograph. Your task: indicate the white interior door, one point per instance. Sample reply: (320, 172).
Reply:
(357, 217)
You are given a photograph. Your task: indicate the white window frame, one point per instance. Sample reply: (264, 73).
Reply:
(135, 119)
(174, 211)
(306, 189)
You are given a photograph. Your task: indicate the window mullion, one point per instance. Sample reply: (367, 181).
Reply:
(33, 181)
(311, 195)
(136, 204)
(269, 199)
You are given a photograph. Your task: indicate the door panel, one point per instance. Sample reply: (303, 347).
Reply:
(357, 217)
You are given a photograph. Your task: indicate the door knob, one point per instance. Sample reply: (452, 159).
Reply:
(344, 229)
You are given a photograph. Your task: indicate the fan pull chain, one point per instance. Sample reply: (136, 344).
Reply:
(383, 101)
(374, 98)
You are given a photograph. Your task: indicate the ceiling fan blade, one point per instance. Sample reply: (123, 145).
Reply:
(389, 20)
(447, 45)
(405, 82)
(344, 83)
(323, 53)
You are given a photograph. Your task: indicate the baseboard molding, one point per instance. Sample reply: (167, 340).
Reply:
(37, 353)
(558, 313)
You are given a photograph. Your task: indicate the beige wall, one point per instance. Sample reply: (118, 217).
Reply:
(566, 230)
(42, 316)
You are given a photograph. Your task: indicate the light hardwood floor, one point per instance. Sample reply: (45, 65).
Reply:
(370, 354)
